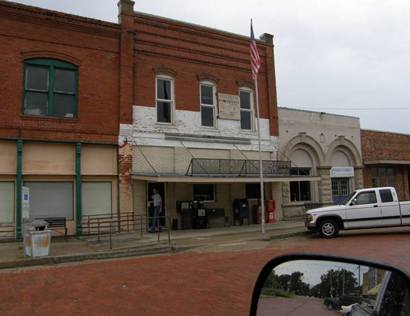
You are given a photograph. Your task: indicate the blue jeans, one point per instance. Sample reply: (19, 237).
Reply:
(155, 218)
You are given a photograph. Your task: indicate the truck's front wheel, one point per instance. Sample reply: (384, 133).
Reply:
(328, 228)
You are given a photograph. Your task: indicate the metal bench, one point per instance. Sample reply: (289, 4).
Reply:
(56, 222)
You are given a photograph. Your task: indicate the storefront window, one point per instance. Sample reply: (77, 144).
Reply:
(383, 176)
(300, 190)
(340, 189)
(204, 192)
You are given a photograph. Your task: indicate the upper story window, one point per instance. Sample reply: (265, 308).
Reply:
(246, 104)
(208, 104)
(164, 99)
(50, 88)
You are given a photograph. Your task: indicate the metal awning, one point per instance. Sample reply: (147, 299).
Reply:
(219, 179)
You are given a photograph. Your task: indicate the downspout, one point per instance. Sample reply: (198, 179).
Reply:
(19, 186)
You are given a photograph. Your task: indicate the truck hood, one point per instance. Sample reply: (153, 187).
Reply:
(327, 209)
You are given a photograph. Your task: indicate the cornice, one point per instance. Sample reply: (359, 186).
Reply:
(36, 15)
(191, 28)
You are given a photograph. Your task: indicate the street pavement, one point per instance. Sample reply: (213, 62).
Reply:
(215, 279)
(294, 307)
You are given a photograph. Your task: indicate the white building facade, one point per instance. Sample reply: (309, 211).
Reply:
(323, 145)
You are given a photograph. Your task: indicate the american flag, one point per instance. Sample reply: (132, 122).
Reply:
(255, 59)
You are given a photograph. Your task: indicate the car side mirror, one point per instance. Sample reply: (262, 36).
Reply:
(354, 201)
(327, 285)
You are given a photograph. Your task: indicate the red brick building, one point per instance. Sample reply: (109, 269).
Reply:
(167, 92)
(386, 157)
(59, 115)
(184, 75)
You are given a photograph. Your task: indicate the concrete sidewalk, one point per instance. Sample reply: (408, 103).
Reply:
(131, 244)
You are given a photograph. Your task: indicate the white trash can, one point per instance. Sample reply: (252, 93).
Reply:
(40, 241)
(27, 241)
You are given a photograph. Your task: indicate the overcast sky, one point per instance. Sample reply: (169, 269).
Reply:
(339, 56)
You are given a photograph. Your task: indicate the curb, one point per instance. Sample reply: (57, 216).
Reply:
(55, 260)
(292, 234)
(181, 247)
(227, 234)
(145, 250)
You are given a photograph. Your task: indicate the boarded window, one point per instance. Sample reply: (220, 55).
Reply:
(96, 198)
(6, 202)
(51, 199)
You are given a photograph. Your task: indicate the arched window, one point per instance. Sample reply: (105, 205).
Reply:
(50, 88)
(208, 103)
(246, 105)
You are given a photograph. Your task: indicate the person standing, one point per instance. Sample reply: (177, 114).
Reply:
(157, 204)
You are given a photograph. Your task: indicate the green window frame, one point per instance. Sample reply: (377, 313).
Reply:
(53, 96)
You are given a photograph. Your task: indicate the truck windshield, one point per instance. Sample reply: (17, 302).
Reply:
(347, 198)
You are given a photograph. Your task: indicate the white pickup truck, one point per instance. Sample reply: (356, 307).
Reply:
(365, 208)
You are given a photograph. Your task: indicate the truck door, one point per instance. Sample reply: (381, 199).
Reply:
(363, 211)
(389, 207)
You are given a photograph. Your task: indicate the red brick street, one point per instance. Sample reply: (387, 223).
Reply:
(210, 283)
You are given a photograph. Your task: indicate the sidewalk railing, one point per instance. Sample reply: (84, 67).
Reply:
(110, 225)
(7, 232)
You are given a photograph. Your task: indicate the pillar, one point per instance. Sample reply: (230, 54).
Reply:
(19, 186)
(78, 190)
(325, 185)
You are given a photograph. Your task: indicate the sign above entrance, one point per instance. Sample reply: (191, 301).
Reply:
(342, 172)
(229, 106)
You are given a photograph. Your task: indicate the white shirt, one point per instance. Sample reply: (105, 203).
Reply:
(156, 199)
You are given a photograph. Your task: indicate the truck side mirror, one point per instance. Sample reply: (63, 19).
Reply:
(354, 201)
(303, 284)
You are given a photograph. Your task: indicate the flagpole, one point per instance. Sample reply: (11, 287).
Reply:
(255, 64)
(260, 158)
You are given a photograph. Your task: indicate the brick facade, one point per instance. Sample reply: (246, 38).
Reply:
(117, 65)
(379, 146)
(93, 46)
(151, 45)
(90, 132)
(192, 53)
(384, 150)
